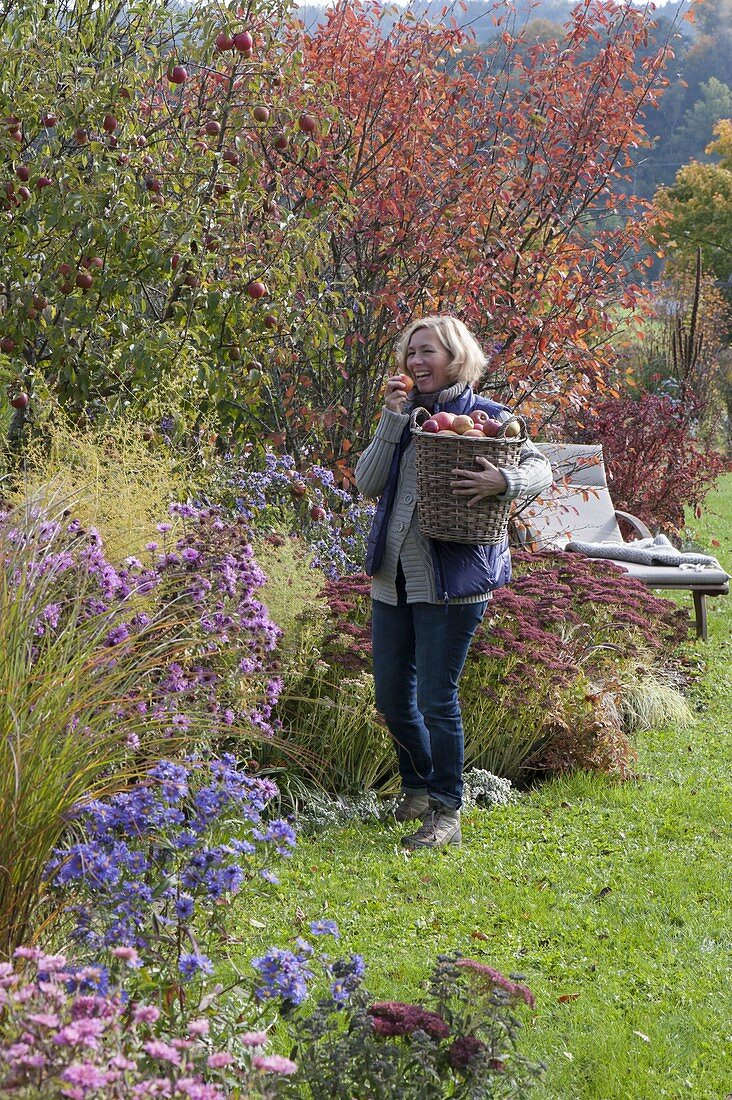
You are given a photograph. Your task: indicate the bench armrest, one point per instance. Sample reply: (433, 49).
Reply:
(637, 524)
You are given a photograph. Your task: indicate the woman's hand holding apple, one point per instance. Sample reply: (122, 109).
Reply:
(395, 392)
(479, 484)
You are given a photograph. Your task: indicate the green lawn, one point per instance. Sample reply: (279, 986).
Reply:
(613, 901)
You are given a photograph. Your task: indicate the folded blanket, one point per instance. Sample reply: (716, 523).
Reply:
(653, 551)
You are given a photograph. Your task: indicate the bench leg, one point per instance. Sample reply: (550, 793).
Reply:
(700, 611)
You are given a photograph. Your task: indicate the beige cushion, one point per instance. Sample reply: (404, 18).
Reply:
(567, 512)
(579, 463)
(669, 576)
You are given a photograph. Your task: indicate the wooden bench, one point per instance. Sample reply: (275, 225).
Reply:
(578, 506)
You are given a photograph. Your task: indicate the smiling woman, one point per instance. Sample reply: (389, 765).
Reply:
(429, 596)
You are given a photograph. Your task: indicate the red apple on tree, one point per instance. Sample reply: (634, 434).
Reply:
(213, 127)
(317, 513)
(178, 74)
(48, 119)
(243, 41)
(223, 42)
(84, 280)
(23, 172)
(307, 123)
(7, 345)
(231, 157)
(109, 124)
(19, 400)
(256, 289)
(261, 113)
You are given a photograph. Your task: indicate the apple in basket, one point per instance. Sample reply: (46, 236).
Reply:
(479, 416)
(512, 430)
(431, 426)
(462, 424)
(474, 433)
(491, 427)
(444, 420)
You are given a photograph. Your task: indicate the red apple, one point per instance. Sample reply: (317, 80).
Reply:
(109, 124)
(213, 127)
(153, 184)
(270, 320)
(44, 181)
(23, 172)
(7, 345)
(474, 433)
(81, 135)
(231, 157)
(191, 280)
(19, 400)
(480, 416)
(431, 426)
(84, 281)
(175, 260)
(17, 135)
(261, 113)
(317, 513)
(178, 74)
(23, 193)
(48, 119)
(307, 123)
(492, 427)
(256, 289)
(449, 431)
(64, 270)
(298, 488)
(462, 423)
(280, 140)
(243, 41)
(444, 420)
(223, 41)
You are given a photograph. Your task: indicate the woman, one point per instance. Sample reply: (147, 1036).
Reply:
(428, 597)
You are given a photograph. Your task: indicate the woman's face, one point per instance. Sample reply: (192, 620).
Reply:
(428, 361)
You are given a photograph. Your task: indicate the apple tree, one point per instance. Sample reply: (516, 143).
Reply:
(145, 253)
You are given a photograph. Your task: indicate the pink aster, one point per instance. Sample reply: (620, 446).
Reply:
(274, 1063)
(85, 1074)
(254, 1038)
(219, 1059)
(163, 1052)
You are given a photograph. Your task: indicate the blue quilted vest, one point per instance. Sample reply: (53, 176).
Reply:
(460, 569)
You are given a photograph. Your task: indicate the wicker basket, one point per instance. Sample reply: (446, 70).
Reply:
(442, 514)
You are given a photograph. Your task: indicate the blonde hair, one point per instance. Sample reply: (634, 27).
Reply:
(467, 358)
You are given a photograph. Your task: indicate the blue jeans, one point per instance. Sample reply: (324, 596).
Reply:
(419, 651)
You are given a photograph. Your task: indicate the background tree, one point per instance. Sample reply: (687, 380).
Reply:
(696, 211)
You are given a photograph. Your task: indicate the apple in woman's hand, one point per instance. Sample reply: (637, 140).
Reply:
(407, 381)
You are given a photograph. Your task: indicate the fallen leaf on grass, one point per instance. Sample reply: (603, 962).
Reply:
(479, 935)
(564, 997)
